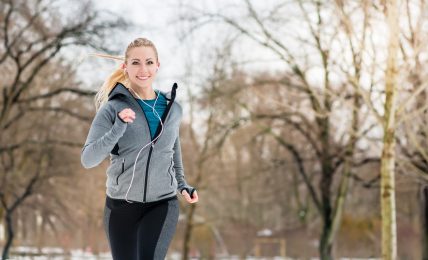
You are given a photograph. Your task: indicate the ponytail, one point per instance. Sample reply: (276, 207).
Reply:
(118, 75)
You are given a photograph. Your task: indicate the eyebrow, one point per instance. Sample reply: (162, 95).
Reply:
(139, 59)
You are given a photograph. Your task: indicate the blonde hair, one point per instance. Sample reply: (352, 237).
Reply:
(119, 74)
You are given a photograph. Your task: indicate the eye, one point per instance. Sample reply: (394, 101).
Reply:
(135, 63)
(149, 62)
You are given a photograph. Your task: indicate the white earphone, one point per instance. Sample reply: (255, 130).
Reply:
(146, 145)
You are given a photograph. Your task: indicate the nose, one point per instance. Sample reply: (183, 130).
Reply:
(144, 68)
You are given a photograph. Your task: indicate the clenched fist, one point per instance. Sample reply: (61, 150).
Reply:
(127, 115)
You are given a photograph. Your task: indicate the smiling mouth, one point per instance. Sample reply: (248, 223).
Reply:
(142, 78)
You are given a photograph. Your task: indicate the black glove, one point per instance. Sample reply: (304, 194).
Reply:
(189, 190)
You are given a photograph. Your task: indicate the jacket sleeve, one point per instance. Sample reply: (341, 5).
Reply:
(178, 166)
(102, 137)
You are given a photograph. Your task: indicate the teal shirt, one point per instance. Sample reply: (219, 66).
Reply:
(152, 119)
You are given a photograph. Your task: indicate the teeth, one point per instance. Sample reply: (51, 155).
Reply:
(142, 78)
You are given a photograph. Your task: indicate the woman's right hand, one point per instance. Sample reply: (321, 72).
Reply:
(127, 115)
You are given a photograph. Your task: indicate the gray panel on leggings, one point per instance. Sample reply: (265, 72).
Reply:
(107, 213)
(168, 230)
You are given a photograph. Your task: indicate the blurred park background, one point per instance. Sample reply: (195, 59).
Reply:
(286, 104)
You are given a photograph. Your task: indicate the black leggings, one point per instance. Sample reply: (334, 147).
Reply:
(140, 230)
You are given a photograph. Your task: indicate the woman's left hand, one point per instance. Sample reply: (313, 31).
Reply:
(188, 198)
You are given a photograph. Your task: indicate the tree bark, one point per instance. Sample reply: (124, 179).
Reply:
(10, 235)
(326, 245)
(188, 232)
(387, 171)
(424, 220)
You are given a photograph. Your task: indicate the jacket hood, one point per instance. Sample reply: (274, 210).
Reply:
(120, 89)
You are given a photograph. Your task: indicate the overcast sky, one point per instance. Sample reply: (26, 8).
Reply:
(156, 20)
(151, 19)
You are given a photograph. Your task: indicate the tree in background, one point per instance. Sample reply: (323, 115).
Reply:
(412, 121)
(309, 107)
(387, 170)
(33, 35)
(338, 40)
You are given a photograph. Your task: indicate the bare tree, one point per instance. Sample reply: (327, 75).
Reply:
(315, 126)
(412, 113)
(338, 39)
(387, 171)
(208, 145)
(33, 34)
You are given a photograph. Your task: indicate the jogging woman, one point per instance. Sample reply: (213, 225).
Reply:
(138, 127)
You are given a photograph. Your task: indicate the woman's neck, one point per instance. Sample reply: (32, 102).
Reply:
(147, 93)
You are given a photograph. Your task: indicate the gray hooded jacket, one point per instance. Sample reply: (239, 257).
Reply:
(158, 170)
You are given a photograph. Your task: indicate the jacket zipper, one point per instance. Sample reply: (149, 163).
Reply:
(123, 170)
(151, 150)
(168, 108)
(147, 172)
(148, 126)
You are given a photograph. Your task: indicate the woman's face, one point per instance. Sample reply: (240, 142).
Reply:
(141, 67)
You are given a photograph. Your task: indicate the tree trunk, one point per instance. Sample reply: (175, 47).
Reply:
(424, 220)
(389, 232)
(387, 171)
(188, 231)
(347, 168)
(325, 187)
(9, 235)
(326, 244)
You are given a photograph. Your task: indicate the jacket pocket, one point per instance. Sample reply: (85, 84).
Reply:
(166, 194)
(123, 170)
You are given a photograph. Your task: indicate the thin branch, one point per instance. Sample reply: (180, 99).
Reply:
(6, 33)
(28, 25)
(367, 184)
(411, 115)
(28, 191)
(61, 110)
(301, 167)
(297, 126)
(367, 161)
(58, 142)
(21, 114)
(34, 73)
(55, 92)
(37, 142)
(404, 104)
(366, 98)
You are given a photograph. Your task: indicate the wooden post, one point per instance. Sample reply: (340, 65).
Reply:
(257, 249)
(282, 247)
(269, 240)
